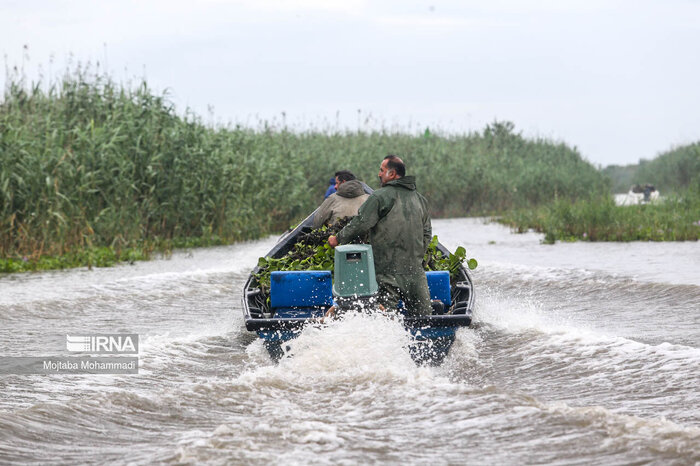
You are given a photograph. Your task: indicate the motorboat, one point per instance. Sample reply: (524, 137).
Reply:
(638, 194)
(299, 298)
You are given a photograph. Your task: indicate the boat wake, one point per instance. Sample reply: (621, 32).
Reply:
(358, 347)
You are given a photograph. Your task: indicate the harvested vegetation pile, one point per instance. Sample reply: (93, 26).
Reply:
(312, 252)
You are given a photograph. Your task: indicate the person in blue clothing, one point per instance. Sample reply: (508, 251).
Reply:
(331, 188)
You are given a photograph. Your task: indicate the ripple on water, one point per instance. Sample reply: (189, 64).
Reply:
(569, 361)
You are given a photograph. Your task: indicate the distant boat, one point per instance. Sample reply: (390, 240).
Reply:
(638, 194)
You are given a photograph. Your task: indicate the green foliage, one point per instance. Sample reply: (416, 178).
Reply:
(621, 177)
(675, 219)
(312, 252)
(671, 172)
(88, 163)
(302, 257)
(87, 257)
(435, 260)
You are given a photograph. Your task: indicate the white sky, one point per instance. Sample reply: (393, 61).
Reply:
(619, 79)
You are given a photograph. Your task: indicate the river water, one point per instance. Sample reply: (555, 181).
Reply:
(580, 353)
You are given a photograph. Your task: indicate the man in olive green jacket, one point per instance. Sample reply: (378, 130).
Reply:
(397, 219)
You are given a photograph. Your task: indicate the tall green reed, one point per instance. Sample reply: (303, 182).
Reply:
(86, 162)
(677, 218)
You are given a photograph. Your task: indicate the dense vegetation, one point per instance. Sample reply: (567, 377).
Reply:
(671, 172)
(621, 177)
(677, 218)
(87, 164)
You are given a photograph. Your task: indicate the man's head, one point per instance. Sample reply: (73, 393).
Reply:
(342, 176)
(392, 168)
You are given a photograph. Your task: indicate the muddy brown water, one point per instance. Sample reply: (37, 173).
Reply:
(580, 353)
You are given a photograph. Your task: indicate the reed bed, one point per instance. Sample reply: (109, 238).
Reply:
(676, 173)
(86, 163)
(675, 218)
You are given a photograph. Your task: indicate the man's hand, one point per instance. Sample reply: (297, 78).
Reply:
(333, 241)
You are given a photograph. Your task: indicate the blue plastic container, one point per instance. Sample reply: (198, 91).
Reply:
(439, 286)
(300, 294)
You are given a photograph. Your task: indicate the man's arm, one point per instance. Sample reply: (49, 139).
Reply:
(366, 218)
(323, 213)
(427, 226)
(427, 234)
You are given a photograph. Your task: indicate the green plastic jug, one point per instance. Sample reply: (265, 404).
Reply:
(354, 275)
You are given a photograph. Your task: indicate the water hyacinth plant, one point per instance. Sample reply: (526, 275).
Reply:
(312, 252)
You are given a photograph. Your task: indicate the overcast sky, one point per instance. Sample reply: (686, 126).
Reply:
(620, 80)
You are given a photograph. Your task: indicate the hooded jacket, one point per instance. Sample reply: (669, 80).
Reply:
(345, 202)
(398, 221)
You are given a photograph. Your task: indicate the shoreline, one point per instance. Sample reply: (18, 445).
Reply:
(106, 256)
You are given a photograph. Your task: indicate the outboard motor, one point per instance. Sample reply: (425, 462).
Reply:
(355, 283)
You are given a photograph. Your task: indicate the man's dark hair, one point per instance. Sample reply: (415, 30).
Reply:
(344, 175)
(395, 163)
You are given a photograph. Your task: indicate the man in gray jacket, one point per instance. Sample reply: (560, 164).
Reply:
(397, 219)
(345, 202)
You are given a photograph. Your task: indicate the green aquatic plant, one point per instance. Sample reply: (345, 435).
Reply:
(434, 259)
(302, 257)
(312, 252)
(86, 257)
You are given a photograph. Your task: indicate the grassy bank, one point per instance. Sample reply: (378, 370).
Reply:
(675, 173)
(87, 164)
(675, 219)
(103, 256)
